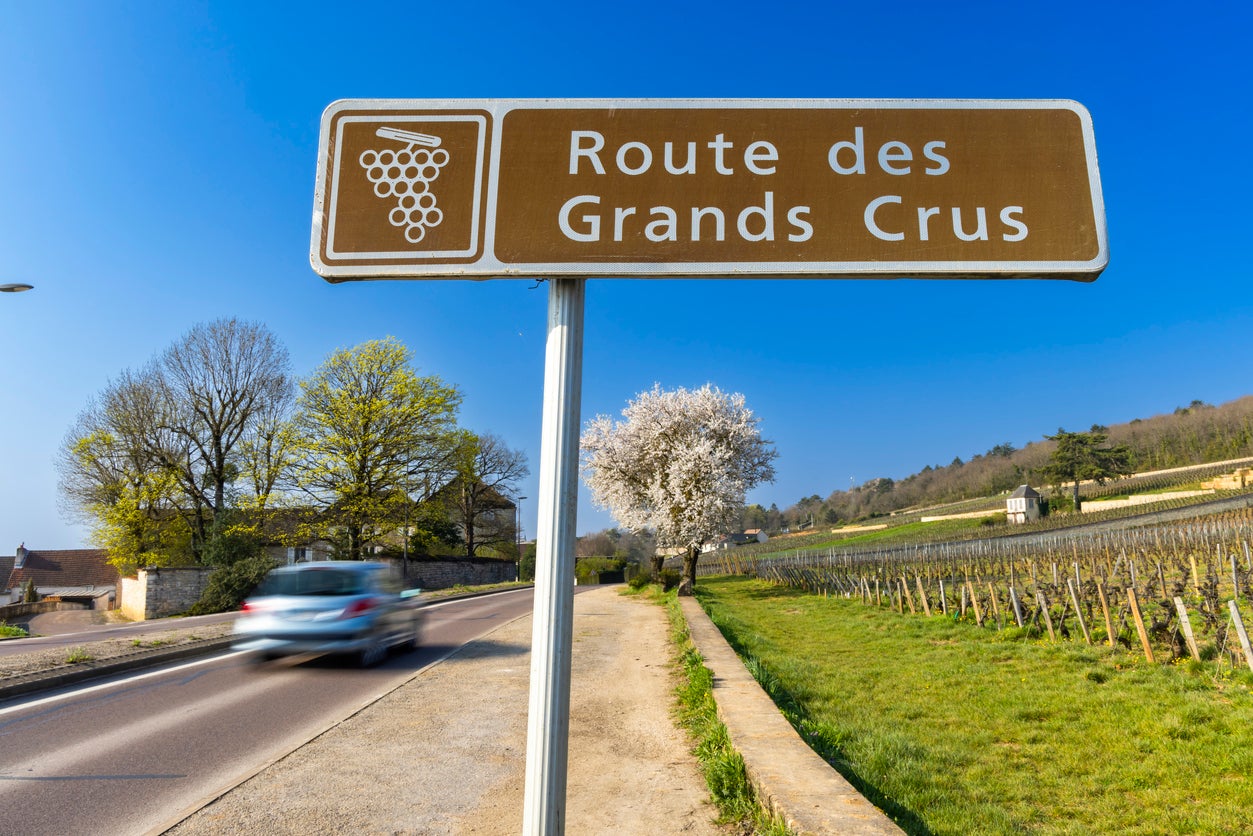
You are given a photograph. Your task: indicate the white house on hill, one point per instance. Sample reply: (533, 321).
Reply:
(1023, 505)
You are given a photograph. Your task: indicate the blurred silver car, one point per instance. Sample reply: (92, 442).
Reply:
(340, 606)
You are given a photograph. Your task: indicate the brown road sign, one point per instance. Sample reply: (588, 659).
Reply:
(716, 188)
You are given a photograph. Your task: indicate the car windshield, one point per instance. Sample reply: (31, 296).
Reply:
(314, 582)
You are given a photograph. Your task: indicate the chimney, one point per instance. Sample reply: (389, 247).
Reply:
(21, 557)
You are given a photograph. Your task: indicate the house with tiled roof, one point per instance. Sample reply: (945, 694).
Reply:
(69, 574)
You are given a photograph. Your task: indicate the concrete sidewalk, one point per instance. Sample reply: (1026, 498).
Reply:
(397, 767)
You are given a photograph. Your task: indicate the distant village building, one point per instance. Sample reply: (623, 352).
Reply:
(83, 575)
(752, 535)
(1023, 505)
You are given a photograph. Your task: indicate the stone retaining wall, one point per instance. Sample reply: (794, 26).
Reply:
(443, 574)
(159, 592)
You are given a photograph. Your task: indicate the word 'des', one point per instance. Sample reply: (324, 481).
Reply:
(709, 188)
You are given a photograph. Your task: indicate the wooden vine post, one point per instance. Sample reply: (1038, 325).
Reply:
(1186, 626)
(1242, 633)
(1109, 625)
(974, 602)
(996, 609)
(1044, 609)
(922, 595)
(1074, 598)
(1135, 613)
(1013, 599)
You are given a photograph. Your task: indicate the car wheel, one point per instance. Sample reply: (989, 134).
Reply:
(415, 637)
(373, 653)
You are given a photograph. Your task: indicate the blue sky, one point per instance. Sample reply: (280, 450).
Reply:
(157, 169)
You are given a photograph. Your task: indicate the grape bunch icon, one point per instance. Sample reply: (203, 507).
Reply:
(406, 175)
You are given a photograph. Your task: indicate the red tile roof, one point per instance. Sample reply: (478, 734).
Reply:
(68, 567)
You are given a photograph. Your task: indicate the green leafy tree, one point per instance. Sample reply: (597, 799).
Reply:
(237, 550)
(1080, 457)
(526, 563)
(136, 531)
(432, 530)
(754, 516)
(108, 479)
(369, 432)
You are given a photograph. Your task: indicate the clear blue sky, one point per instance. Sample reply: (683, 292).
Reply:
(157, 170)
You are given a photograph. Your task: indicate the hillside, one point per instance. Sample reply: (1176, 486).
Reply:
(1193, 435)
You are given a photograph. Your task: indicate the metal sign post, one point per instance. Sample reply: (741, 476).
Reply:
(548, 720)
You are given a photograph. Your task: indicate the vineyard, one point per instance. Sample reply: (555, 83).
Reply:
(1162, 480)
(897, 527)
(1172, 591)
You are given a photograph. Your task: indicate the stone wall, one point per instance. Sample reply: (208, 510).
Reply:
(160, 592)
(442, 574)
(9, 612)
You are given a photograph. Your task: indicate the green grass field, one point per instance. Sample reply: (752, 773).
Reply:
(953, 730)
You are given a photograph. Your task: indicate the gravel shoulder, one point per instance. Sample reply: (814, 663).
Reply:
(94, 652)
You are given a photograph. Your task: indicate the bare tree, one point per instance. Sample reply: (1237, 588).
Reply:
(104, 449)
(680, 464)
(160, 450)
(267, 453)
(482, 495)
(220, 383)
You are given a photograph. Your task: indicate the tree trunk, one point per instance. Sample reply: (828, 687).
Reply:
(1076, 496)
(688, 586)
(658, 562)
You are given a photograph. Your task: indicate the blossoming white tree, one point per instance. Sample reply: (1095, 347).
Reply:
(679, 463)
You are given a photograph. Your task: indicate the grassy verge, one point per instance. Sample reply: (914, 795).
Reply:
(952, 730)
(11, 631)
(721, 765)
(430, 594)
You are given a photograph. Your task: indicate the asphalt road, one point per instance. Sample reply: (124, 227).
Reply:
(127, 755)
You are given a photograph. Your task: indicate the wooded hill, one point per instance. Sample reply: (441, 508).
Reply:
(1195, 434)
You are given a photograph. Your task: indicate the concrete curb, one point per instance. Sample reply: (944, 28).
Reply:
(789, 777)
(83, 671)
